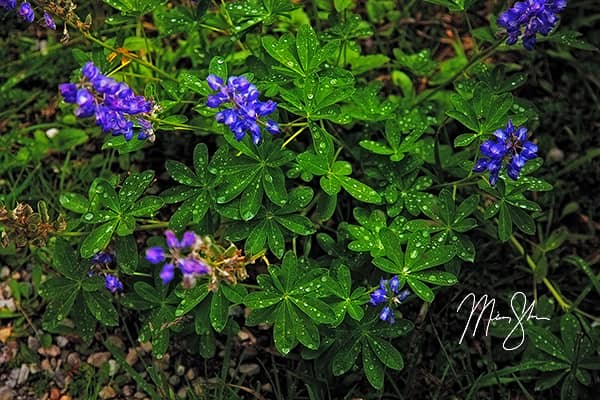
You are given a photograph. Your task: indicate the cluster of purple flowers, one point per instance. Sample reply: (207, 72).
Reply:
(388, 293)
(527, 18)
(116, 108)
(189, 265)
(26, 12)
(246, 109)
(510, 146)
(111, 282)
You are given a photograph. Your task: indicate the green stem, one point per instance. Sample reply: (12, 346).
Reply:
(152, 226)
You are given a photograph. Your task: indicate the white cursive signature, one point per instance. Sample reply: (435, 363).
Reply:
(484, 304)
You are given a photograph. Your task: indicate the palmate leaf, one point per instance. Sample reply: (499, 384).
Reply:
(290, 299)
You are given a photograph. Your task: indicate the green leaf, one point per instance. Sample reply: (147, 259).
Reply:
(191, 298)
(218, 67)
(504, 223)
(387, 353)
(133, 187)
(296, 223)
(273, 181)
(147, 292)
(316, 309)
(313, 163)
(181, 173)
(59, 308)
(65, 260)
(146, 207)
(373, 368)
(108, 196)
(219, 310)
(359, 190)
(251, 199)
(74, 202)
(465, 139)
(376, 147)
(420, 289)
(547, 342)
(127, 254)
(283, 330)
(569, 332)
(98, 239)
(262, 299)
(344, 360)
(440, 278)
(255, 242)
(102, 308)
(307, 45)
(306, 331)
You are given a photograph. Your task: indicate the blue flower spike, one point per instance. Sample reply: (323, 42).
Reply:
(114, 104)
(527, 18)
(510, 148)
(246, 110)
(113, 284)
(388, 293)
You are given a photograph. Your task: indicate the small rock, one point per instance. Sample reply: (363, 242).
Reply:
(127, 391)
(45, 365)
(139, 395)
(249, 369)
(65, 397)
(54, 394)
(62, 341)
(267, 387)
(113, 367)
(174, 380)
(23, 374)
(146, 347)
(33, 343)
(556, 155)
(190, 374)
(74, 360)
(98, 359)
(180, 369)
(117, 341)
(132, 356)
(7, 393)
(4, 272)
(248, 353)
(33, 368)
(182, 393)
(107, 392)
(51, 351)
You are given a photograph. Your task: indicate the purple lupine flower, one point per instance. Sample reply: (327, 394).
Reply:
(190, 265)
(527, 18)
(49, 22)
(26, 12)
(510, 146)
(114, 104)
(113, 284)
(8, 4)
(388, 293)
(245, 112)
(102, 258)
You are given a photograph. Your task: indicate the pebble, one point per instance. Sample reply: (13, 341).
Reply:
(4, 272)
(9, 304)
(146, 347)
(7, 393)
(98, 359)
(54, 394)
(45, 365)
(132, 356)
(174, 380)
(127, 391)
(65, 397)
(139, 395)
(190, 374)
(33, 343)
(267, 387)
(62, 341)
(51, 351)
(113, 367)
(107, 392)
(23, 374)
(117, 341)
(74, 360)
(182, 393)
(180, 369)
(249, 369)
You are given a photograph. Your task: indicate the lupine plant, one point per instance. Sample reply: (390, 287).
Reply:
(313, 170)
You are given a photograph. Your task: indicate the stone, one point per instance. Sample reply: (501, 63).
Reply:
(174, 380)
(98, 359)
(190, 374)
(107, 392)
(7, 393)
(132, 356)
(62, 341)
(23, 374)
(249, 369)
(51, 351)
(74, 360)
(127, 391)
(182, 393)
(33, 343)
(117, 341)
